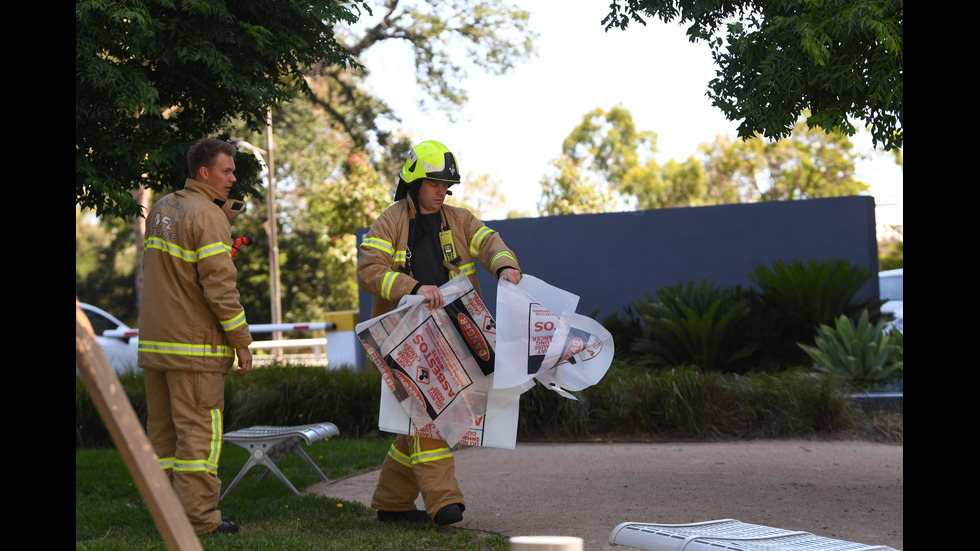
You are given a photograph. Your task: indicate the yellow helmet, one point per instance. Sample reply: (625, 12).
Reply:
(429, 160)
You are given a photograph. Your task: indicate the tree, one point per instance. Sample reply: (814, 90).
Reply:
(806, 165)
(478, 194)
(570, 191)
(607, 150)
(838, 59)
(492, 36)
(335, 157)
(153, 76)
(675, 184)
(323, 139)
(608, 143)
(104, 265)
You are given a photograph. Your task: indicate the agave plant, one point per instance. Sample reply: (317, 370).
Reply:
(861, 353)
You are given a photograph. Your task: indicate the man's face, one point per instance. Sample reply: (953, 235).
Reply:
(221, 174)
(431, 196)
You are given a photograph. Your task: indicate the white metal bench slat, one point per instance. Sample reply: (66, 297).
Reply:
(269, 444)
(725, 535)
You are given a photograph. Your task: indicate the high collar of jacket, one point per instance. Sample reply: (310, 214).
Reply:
(231, 207)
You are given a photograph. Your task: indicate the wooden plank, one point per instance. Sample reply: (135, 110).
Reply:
(130, 438)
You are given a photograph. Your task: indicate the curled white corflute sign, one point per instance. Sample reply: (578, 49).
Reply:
(437, 368)
(456, 373)
(539, 336)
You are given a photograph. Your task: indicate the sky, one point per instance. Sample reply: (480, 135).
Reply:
(513, 125)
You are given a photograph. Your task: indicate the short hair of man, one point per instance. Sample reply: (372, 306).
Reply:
(204, 152)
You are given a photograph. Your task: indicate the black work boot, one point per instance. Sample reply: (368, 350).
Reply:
(450, 514)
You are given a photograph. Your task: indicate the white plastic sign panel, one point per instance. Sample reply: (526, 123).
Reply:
(438, 370)
(541, 337)
(456, 374)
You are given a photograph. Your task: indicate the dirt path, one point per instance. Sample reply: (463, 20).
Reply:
(849, 490)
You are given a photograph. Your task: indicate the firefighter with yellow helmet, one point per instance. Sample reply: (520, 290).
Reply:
(417, 244)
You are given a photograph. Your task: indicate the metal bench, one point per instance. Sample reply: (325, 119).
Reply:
(725, 535)
(268, 445)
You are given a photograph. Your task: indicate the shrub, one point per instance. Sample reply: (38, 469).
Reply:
(629, 403)
(293, 395)
(797, 298)
(271, 395)
(700, 325)
(862, 354)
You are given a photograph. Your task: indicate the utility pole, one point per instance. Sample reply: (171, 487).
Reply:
(266, 157)
(275, 307)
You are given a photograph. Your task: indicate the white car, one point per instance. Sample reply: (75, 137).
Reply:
(890, 287)
(121, 351)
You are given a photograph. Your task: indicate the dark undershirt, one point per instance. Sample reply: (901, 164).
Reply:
(426, 260)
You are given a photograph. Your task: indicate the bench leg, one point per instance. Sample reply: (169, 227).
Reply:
(260, 457)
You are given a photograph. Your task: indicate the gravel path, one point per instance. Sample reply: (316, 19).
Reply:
(849, 490)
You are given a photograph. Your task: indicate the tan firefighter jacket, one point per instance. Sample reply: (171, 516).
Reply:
(191, 317)
(384, 252)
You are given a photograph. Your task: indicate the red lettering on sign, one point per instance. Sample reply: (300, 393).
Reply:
(472, 334)
(544, 326)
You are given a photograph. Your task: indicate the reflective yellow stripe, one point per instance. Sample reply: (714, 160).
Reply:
(213, 249)
(468, 268)
(166, 462)
(419, 456)
(400, 257)
(505, 254)
(477, 239)
(210, 464)
(234, 322)
(169, 248)
(399, 456)
(217, 436)
(183, 254)
(183, 349)
(380, 244)
(387, 283)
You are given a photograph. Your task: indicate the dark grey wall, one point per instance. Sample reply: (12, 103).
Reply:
(609, 260)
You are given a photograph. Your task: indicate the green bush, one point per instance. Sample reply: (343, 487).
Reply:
(862, 354)
(629, 402)
(732, 330)
(892, 257)
(797, 298)
(272, 395)
(294, 395)
(702, 325)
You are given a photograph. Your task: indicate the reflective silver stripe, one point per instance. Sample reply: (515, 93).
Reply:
(380, 244)
(399, 456)
(468, 268)
(170, 248)
(401, 256)
(234, 322)
(217, 436)
(183, 254)
(212, 249)
(505, 254)
(387, 283)
(166, 462)
(419, 456)
(210, 464)
(181, 349)
(477, 239)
